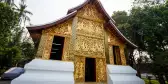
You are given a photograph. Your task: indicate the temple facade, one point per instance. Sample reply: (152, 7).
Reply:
(86, 36)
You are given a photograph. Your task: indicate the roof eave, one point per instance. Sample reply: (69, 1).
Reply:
(39, 27)
(122, 36)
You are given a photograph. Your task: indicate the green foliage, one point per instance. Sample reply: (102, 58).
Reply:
(148, 29)
(9, 2)
(121, 18)
(8, 21)
(152, 81)
(12, 48)
(28, 51)
(9, 55)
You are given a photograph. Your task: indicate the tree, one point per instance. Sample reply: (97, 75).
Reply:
(147, 2)
(149, 28)
(9, 55)
(26, 47)
(23, 12)
(121, 18)
(9, 2)
(12, 48)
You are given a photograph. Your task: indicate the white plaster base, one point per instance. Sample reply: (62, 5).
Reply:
(118, 74)
(46, 72)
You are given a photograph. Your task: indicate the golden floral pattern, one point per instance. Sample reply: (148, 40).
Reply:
(45, 45)
(41, 46)
(90, 28)
(48, 46)
(101, 70)
(90, 11)
(63, 29)
(113, 40)
(89, 46)
(79, 69)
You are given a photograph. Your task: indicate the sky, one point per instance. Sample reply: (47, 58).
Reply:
(45, 11)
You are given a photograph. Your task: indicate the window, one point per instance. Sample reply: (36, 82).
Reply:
(57, 48)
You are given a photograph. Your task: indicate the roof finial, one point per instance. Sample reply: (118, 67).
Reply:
(92, 1)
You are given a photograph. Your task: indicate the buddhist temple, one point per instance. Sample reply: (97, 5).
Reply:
(85, 46)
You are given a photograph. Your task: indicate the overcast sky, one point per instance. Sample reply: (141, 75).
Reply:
(45, 11)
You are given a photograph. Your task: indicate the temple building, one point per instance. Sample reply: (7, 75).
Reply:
(88, 38)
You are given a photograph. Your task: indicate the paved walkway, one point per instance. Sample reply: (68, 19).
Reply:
(4, 82)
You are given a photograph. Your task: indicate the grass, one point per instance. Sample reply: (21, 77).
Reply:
(152, 81)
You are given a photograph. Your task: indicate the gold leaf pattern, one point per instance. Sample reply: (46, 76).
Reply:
(90, 11)
(114, 40)
(90, 28)
(101, 70)
(79, 69)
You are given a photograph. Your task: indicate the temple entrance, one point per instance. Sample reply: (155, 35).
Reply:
(90, 70)
(57, 48)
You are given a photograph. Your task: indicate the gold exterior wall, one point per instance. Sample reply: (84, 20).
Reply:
(48, 34)
(84, 37)
(90, 43)
(113, 40)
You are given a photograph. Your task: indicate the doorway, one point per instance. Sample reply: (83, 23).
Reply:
(57, 48)
(90, 70)
(116, 54)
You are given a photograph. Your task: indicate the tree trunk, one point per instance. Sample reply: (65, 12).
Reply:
(131, 60)
(161, 79)
(138, 70)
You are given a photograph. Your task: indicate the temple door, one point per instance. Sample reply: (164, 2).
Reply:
(117, 56)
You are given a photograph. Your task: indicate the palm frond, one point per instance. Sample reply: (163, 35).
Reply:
(28, 12)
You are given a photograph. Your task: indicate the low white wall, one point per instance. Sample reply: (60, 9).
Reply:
(46, 72)
(118, 74)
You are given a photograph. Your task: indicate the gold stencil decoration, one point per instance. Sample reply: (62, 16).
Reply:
(101, 70)
(123, 59)
(90, 28)
(66, 56)
(89, 46)
(48, 46)
(79, 69)
(90, 11)
(113, 40)
(111, 55)
(41, 46)
(63, 29)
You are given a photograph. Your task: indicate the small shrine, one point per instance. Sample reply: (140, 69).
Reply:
(88, 38)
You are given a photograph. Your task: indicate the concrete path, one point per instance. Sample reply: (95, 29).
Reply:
(4, 82)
